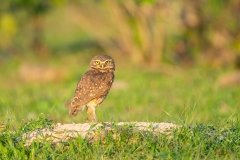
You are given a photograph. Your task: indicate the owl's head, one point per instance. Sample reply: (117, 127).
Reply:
(102, 62)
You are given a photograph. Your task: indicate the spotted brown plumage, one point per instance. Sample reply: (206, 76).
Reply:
(93, 87)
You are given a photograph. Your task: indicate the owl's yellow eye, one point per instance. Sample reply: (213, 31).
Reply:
(108, 62)
(97, 62)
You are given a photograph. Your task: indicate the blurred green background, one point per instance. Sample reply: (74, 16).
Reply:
(175, 60)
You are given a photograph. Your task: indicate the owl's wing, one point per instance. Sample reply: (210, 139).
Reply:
(80, 97)
(89, 87)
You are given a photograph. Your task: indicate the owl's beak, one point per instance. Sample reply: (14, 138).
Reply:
(102, 66)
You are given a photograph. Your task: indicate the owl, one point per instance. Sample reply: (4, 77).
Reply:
(93, 87)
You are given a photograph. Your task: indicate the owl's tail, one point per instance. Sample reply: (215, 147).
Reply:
(69, 104)
(73, 110)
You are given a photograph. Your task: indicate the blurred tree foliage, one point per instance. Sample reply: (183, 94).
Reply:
(19, 15)
(134, 28)
(210, 31)
(151, 31)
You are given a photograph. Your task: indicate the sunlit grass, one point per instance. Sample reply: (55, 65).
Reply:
(122, 142)
(189, 97)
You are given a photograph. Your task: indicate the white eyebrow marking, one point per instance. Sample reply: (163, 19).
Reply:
(106, 61)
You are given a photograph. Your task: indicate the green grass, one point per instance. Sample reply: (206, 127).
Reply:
(190, 97)
(189, 142)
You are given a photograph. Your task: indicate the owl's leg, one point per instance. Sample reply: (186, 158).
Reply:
(91, 113)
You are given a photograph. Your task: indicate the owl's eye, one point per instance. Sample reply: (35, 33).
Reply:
(97, 62)
(108, 62)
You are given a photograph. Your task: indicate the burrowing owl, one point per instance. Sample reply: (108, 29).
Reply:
(93, 87)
